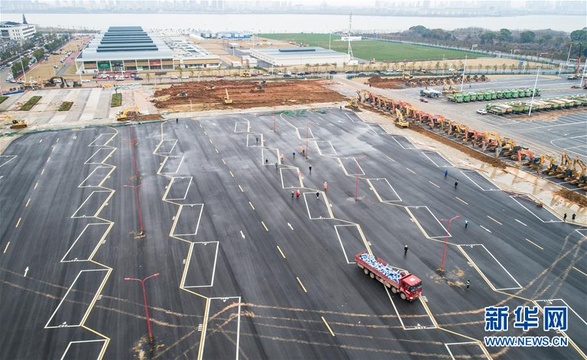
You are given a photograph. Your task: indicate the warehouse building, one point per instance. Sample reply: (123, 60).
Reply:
(130, 48)
(299, 56)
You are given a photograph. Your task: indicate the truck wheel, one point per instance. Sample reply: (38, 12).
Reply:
(393, 290)
(403, 296)
(372, 276)
(366, 271)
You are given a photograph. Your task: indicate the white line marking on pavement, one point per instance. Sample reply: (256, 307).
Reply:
(302, 285)
(328, 326)
(281, 252)
(251, 204)
(26, 271)
(520, 222)
(8, 244)
(410, 170)
(242, 235)
(461, 200)
(494, 220)
(533, 243)
(291, 227)
(573, 268)
(265, 226)
(434, 184)
(484, 228)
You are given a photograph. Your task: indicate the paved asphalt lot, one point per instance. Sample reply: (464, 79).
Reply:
(248, 272)
(543, 132)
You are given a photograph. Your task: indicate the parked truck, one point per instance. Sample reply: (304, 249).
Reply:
(400, 281)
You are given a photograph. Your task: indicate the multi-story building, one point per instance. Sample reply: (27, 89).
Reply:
(16, 31)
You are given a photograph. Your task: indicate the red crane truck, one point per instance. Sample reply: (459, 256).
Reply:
(398, 280)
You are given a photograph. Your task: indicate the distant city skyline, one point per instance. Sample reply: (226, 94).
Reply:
(368, 7)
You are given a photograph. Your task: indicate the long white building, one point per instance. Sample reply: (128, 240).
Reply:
(300, 56)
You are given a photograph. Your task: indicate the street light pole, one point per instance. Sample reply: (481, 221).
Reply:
(446, 240)
(145, 302)
(534, 91)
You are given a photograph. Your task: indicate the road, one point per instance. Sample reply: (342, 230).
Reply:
(247, 271)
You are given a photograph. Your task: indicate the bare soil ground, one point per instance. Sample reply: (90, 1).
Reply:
(387, 83)
(197, 96)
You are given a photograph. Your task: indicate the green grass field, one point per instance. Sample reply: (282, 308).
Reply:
(374, 49)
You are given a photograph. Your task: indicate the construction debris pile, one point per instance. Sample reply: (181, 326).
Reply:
(222, 94)
(493, 148)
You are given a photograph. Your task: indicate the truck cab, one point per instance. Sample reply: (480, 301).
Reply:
(411, 287)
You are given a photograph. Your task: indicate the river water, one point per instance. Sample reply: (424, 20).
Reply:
(293, 23)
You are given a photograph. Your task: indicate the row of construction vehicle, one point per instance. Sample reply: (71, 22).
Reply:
(517, 107)
(465, 97)
(399, 109)
(442, 80)
(571, 171)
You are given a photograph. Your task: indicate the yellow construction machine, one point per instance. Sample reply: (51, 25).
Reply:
(536, 163)
(18, 124)
(130, 113)
(354, 102)
(227, 99)
(399, 120)
(579, 170)
(551, 165)
(14, 123)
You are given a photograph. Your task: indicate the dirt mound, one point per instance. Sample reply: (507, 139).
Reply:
(573, 196)
(386, 83)
(209, 95)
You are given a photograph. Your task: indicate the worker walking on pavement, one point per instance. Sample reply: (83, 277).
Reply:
(468, 283)
(466, 223)
(445, 173)
(317, 195)
(297, 193)
(456, 184)
(405, 249)
(325, 186)
(292, 194)
(310, 167)
(565, 217)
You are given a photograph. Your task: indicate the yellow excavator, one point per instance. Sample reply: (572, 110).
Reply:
(227, 99)
(559, 170)
(353, 104)
(130, 113)
(14, 123)
(536, 163)
(399, 120)
(579, 170)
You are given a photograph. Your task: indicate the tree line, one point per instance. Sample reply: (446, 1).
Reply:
(546, 43)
